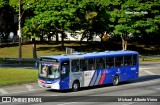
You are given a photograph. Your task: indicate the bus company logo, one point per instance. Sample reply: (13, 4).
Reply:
(87, 74)
(6, 99)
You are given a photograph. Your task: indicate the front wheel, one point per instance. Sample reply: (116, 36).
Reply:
(75, 86)
(116, 80)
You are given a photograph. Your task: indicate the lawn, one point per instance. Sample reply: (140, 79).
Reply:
(11, 51)
(53, 48)
(16, 76)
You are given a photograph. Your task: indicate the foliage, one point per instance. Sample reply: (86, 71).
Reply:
(135, 17)
(6, 19)
(92, 17)
(125, 18)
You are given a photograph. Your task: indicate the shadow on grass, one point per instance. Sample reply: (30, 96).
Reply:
(153, 49)
(103, 46)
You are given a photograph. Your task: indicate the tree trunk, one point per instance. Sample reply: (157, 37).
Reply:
(124, 42)
(62, 39)
(125, 48)
(41, 38)
(49, 37)
(57, 38)
(34, 48)
(6, 37)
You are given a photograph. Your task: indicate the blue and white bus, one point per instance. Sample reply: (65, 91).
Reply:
(77, 70)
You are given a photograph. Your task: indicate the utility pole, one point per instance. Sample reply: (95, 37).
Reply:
(19, 31)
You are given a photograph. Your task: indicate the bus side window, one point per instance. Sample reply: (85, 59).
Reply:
(118, 61)
(100, 63)
(128, 60)
(75, 65)
(83, 65)
(109, 62)
(134, 59)
(91, 64)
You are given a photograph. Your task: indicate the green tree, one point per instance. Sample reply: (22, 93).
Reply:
(91, 16)
(6, 19)
(132, 17)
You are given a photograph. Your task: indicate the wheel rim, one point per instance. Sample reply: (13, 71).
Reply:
(116, 80)
(75, 86)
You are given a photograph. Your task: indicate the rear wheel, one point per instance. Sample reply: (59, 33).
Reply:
(75, 86)
(116, 80)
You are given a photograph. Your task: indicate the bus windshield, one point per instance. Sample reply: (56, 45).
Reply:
(49, 71)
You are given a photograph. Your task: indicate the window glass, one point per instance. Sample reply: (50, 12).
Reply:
(109, 62)
(54, 71)
(118, 61)
(91, 64)
(83, 65)
(100, 63)
(134, 59)
(49, 70)
(75, 65)
(128, 60)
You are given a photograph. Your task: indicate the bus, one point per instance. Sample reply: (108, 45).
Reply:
(79, 69)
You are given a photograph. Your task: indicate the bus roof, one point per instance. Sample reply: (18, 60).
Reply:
(81, 55)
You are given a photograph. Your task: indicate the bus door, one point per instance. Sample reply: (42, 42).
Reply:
(120, 68)
(135, 66)
(132, 72)
(130, 69)
(65, 70)
(111, 71)
(121, 71)
(89, 71)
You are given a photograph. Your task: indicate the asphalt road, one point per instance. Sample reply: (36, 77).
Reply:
(146, 86)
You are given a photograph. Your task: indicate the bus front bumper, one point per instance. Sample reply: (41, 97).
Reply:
(47, 84)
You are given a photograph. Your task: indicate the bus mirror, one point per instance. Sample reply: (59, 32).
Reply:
(37, 64)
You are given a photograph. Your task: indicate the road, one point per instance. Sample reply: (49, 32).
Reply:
(148, 84)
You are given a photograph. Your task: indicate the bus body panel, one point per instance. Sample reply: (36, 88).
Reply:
(109, 75)
(88, 77)
(64, 83)
(75, 76)
(93, 77)
(131, 72)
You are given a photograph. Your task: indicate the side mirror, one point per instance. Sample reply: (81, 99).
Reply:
(37, 65)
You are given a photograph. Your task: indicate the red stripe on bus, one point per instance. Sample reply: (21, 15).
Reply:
(102, 78)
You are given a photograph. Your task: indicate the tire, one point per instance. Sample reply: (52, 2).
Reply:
(75, 86)
(115, 80)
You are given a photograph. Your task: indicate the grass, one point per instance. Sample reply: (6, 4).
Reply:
(16, 76)
(43, 49)
(152, 59)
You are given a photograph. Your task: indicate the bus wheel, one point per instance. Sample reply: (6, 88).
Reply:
(116, 80)
(75, 86)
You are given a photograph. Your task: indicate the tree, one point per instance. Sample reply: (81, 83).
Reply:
(6, 19)
(150, 22)
(132, 17)
(31, 30)
(91, 17)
